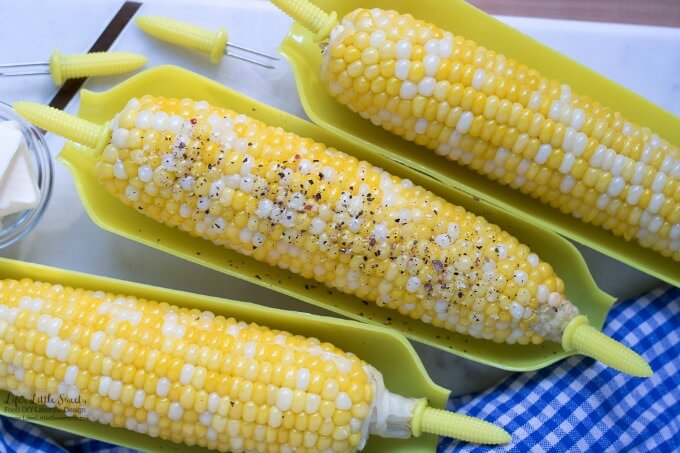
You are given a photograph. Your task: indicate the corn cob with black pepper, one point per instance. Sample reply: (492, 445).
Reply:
(293, 203)
(195, 378)
(502, 119)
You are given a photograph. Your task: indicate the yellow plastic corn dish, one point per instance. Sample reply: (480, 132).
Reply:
(504, 120)
(292, 202)
(109, 213)
(111, 353)
(192, 377)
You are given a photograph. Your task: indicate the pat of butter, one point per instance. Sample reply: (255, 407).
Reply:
(10, 141)
(18, 188)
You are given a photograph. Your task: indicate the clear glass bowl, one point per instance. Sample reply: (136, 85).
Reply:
(15, 226)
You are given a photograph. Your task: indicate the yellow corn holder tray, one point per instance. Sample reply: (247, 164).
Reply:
(114, 216)
(402, 369)
(302, 51)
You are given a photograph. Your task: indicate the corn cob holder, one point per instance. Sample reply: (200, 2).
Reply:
(314, 74)
(76, 66)
(116, 217)
(23, 303)
(213, 43)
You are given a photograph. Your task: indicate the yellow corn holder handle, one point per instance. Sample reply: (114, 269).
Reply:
(427, 419)
(213, 43)
(64, 67)
(441, 422)
(68, 126)
(313, 18)
(579, 336)
(401, 368)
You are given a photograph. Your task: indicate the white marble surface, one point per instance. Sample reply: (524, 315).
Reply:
(645, 59)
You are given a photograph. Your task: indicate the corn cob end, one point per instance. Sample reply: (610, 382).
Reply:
(581, 337)
(76, 129)
(457, 426)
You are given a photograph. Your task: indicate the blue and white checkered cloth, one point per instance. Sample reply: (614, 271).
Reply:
(581, 405)
(21, 437)
(576, 405)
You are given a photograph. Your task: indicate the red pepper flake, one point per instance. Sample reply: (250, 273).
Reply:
(193, 120)
(308, 207)
(297, 156)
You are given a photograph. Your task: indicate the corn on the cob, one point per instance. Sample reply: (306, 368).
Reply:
(295, 204)
(504, 120)
(196, 378)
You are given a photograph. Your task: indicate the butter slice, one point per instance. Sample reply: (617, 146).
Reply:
(10, 142)
(18, 188)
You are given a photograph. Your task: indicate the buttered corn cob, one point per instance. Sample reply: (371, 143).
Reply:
(296, 204)
(503, 120)
(199, 379)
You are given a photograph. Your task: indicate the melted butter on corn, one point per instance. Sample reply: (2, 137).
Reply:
(507, 122)
(322, 214)
(191, 377)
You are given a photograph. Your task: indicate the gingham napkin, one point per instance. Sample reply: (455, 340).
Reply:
(580, 405)
(575, 405)
(22, 437)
